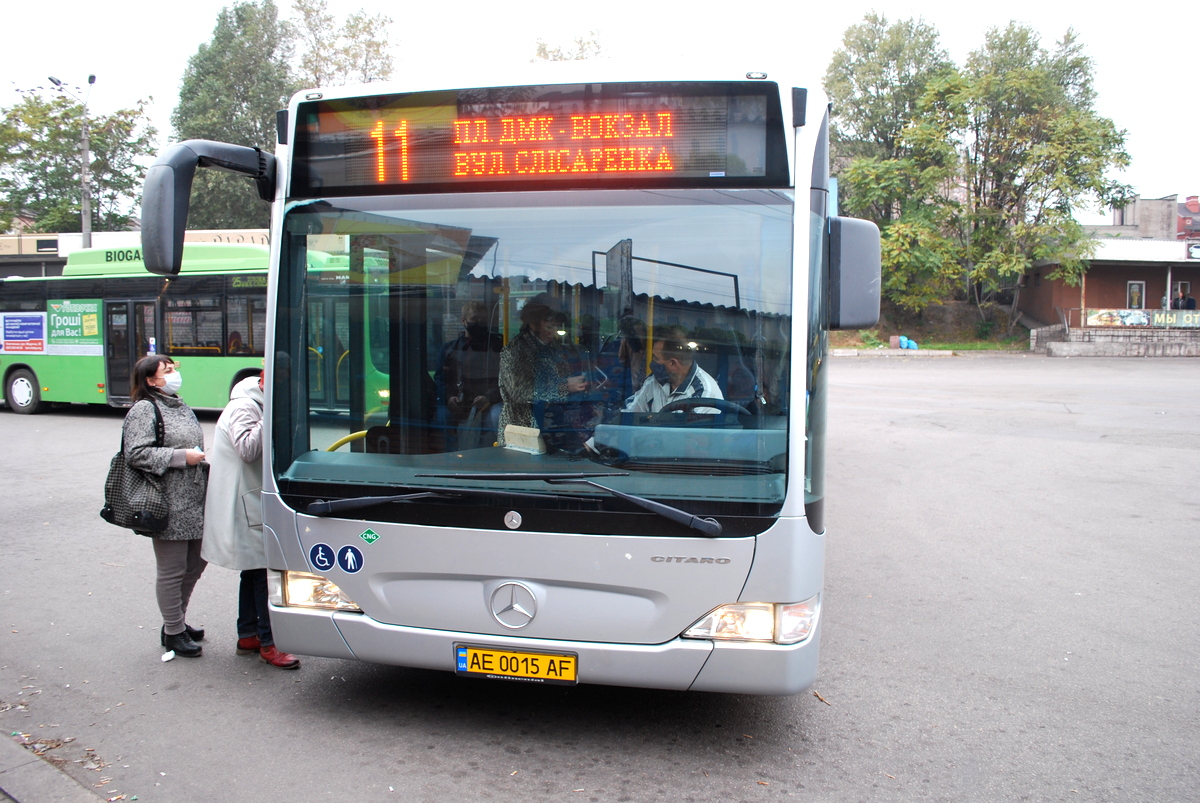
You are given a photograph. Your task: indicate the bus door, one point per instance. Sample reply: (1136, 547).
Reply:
(130, 330)
(328, 354)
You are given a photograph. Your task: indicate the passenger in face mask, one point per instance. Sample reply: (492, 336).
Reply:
(178, 457)
(468, 375)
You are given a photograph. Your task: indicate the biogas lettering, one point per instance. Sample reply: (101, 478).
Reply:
(123, 255)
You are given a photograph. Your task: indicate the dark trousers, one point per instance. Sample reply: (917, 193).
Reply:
(253, 615)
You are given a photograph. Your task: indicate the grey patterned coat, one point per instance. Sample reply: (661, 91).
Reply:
(185, 485)
(530, 371)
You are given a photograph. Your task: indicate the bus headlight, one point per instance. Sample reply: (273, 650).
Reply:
(304, 590)
(759, 621)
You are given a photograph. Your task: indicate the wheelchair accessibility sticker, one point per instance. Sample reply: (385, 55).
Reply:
(321, 557)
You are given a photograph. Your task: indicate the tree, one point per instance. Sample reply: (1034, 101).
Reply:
(875, 81)
(585, 47)
(230, 92)
(1035, 151)
(913, 198)
(983, 175)
(40, 163)
(893, 140)
(358, 52)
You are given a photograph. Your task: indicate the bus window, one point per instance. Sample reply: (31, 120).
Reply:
(194, 327)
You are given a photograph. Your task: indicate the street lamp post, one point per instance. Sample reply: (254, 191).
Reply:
(85, 207)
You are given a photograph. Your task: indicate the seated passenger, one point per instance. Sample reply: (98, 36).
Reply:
(622, 362)
(536, 366)
(674, 376)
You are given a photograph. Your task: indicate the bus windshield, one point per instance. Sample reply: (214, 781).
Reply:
(463, 343)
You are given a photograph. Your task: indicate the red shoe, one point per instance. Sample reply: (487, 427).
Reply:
(283, 660)
(248, 646)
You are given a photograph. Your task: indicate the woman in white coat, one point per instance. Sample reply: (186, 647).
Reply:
(233, 518)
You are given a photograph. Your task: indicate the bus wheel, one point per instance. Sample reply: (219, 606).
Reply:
(23, 394)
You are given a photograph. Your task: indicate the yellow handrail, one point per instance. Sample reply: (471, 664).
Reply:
(353, 436)
(337, 374)
(320, 359)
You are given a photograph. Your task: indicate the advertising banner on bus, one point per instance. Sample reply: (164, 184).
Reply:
(74, 327)
(24, 332)
(69, 326)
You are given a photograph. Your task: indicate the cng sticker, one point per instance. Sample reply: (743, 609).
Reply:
(370, 536)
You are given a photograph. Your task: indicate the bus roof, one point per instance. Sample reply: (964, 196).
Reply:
(197, 258)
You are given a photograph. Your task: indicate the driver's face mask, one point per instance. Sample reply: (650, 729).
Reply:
(660, 372)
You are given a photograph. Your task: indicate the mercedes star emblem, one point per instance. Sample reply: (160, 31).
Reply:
(513, 605)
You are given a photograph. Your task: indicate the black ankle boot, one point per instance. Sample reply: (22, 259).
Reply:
(194, 633)
(182, 644)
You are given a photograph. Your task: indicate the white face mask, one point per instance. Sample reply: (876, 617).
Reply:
(174, 382)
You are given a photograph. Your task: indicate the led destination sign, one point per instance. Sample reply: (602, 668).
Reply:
(704, 134)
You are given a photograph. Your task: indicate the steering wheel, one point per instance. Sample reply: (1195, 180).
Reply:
(702, 401)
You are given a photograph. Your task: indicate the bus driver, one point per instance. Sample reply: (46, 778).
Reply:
(675, 377)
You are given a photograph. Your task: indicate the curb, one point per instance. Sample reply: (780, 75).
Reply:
(26, 778)
(919, 353)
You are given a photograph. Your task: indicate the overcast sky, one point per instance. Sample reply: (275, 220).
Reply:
(139, 49)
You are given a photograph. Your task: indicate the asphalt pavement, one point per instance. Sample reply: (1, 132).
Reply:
(1009, 614)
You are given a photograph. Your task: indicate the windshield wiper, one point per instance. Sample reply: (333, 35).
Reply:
(528, 476)
(324, 508)
(709, 527)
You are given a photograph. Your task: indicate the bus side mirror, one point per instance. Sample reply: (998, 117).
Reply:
(854, 273)
(168, 189)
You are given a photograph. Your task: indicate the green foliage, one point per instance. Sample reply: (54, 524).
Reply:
(875, 81)
(870, 340)
(921, 263)
(230, 92)
(40, 163)
(357, 52)
(972, 175)
(1036, 150)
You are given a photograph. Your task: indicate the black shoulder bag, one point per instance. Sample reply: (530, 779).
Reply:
(134, 498)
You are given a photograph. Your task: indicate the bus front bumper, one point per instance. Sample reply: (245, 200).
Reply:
(682, 664)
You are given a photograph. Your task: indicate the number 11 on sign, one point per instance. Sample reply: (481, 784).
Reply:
(380, 137)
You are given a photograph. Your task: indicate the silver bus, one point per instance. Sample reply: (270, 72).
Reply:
(556, 413)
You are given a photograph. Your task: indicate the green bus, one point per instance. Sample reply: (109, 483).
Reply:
(76, 337)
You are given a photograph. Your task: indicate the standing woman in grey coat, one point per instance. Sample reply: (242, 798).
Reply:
(179, 461)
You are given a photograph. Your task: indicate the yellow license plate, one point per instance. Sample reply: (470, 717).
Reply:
(535, 667)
